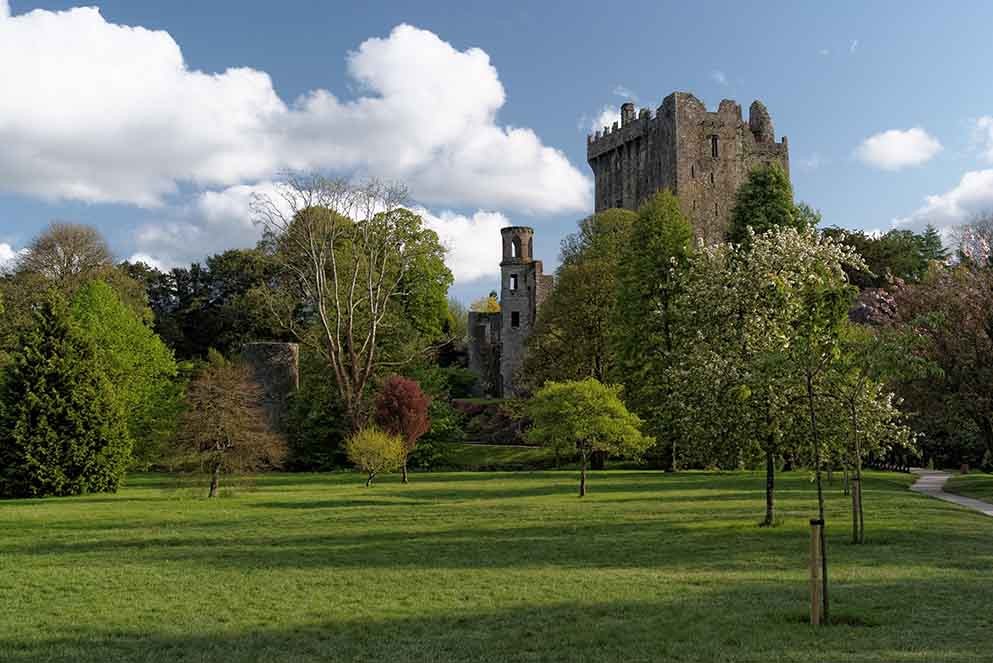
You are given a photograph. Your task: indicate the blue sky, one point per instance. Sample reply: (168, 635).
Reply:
(481, 107)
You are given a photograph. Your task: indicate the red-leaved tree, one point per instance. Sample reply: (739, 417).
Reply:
(402, 409)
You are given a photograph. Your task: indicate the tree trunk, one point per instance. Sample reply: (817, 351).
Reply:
(403, 471)
(858, 519)
(770, 487)
(215, 477)
(845, 485)
(820, 491)
(368, 482)
(582, 473)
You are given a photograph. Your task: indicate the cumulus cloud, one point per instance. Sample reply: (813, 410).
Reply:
(219, 220)
(897, 149)
(626, 93)
(129, 121)
(719, 77)
(473, 242)
(604, 119)
(983, 133)
(7, 253)
(971, 196)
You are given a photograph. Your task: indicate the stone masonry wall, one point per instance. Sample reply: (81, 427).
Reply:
(674, 149)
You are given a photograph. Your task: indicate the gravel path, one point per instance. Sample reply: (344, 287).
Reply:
(932, 483)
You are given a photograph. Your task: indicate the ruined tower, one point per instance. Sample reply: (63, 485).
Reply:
(523, 286)
(701, 156)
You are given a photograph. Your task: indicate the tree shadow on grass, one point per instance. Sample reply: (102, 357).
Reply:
(745, 622)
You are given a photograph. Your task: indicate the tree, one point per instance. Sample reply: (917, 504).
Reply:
(646, 334)
(572, 336)
(374, 452)
(585, 417)
(402, 410)
(62, 431)
(67, 254)
(137, 364)
(224, 428)
(897, 254)
(361, 280)
(764, 202)
(488, 304)
(931, 246)
(949, 315)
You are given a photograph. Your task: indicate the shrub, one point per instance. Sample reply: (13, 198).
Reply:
(375, 452)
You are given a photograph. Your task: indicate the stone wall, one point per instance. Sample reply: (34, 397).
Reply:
(674, 149)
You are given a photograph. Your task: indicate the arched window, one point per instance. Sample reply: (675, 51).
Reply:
(515, 247)
(513, 282)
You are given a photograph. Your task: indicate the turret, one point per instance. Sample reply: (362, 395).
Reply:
(760, 123)
(518, 244)
(627, 113)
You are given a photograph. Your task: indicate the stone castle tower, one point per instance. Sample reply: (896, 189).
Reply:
(702, 157)
(497, 340)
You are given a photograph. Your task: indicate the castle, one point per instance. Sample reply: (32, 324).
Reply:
(701, 156)
(497, 340)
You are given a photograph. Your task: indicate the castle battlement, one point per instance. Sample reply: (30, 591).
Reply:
(700, 155)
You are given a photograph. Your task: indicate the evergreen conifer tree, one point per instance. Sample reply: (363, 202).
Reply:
(61, 429)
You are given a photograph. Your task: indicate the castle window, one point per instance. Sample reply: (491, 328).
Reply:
(513, 282)
(711, 177)
(713, 147)
(531, 247)
(692, 172)
(515, 247)
(715, 209)
(515, 319)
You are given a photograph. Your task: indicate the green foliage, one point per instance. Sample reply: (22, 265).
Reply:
(764, 202)
(62, 428)
(646, 333)
(375, 452)
(138, 365)
(896, 254)
(571, 339)
(585, 416)
(316, 419)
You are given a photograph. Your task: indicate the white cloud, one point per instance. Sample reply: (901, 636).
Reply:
(825, 51)
(101, 112)
(972, 195)
(624, 92)
(719, 77)
(4, 8)
(473, 242)
(983, 134)
(854, 45)
(221, 220)
(7, 253)
(896, 149)
(604, 119)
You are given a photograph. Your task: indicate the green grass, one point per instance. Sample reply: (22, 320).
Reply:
(978, 486)
(489, 567)
(474, 457)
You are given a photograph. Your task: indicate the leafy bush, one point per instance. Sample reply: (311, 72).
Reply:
(375, 452)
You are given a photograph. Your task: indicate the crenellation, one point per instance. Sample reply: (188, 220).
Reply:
(702, 156)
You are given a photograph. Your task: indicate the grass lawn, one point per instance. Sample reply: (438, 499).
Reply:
(474, 457)
(978, 486)
(489, 567)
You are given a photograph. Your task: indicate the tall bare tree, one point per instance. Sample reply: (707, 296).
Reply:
(356, 267)
(67, 253)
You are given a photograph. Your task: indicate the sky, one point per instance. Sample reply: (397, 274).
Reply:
(157, 122)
